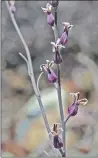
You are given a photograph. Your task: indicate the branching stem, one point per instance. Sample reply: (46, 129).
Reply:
(30, 69)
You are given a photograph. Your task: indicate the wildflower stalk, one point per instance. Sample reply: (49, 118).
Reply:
(30, 70)
(59, 86)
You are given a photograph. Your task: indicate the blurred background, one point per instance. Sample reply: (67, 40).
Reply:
(23, 129)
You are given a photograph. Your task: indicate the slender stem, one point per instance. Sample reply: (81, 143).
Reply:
(25, 46)
(38, 80)
(44, 115)
(55, 16)
(60, 105)
(23, 57)
(46, 153)
(26, 62)
(67, 118)
(59, 88)
(30, 70)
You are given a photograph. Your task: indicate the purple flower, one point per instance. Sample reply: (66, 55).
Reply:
(12, 6)
(52, 78)
(57, 55)
(50, 17)
(57, 142)
(64, 37)
(73, 109)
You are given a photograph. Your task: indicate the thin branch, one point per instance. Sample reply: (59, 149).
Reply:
(30, 69)
(25, 46)
(23, 57)
(66, 119)
(26, 62)
(39, 80)
(46, 153)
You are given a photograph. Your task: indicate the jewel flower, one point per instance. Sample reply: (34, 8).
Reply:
(50, 17)
(73, 109)
(52, 78)
(57, 141)
(57, 55)
(64, 37)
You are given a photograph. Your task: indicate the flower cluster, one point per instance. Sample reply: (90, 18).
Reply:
(60, 43)
(57, 59)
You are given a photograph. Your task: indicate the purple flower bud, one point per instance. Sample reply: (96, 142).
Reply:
(52, 78)
(64, 38)
(57, 56)
(50, 17)
(73, 109)
(57, 142)
(54, 3)
(50, 73)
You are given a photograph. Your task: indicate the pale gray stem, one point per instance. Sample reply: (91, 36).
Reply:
(26, 62)
(66, 119)
(38, 81)
(30, 69)
(25, 46)
(46, 153)
(23, 57)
